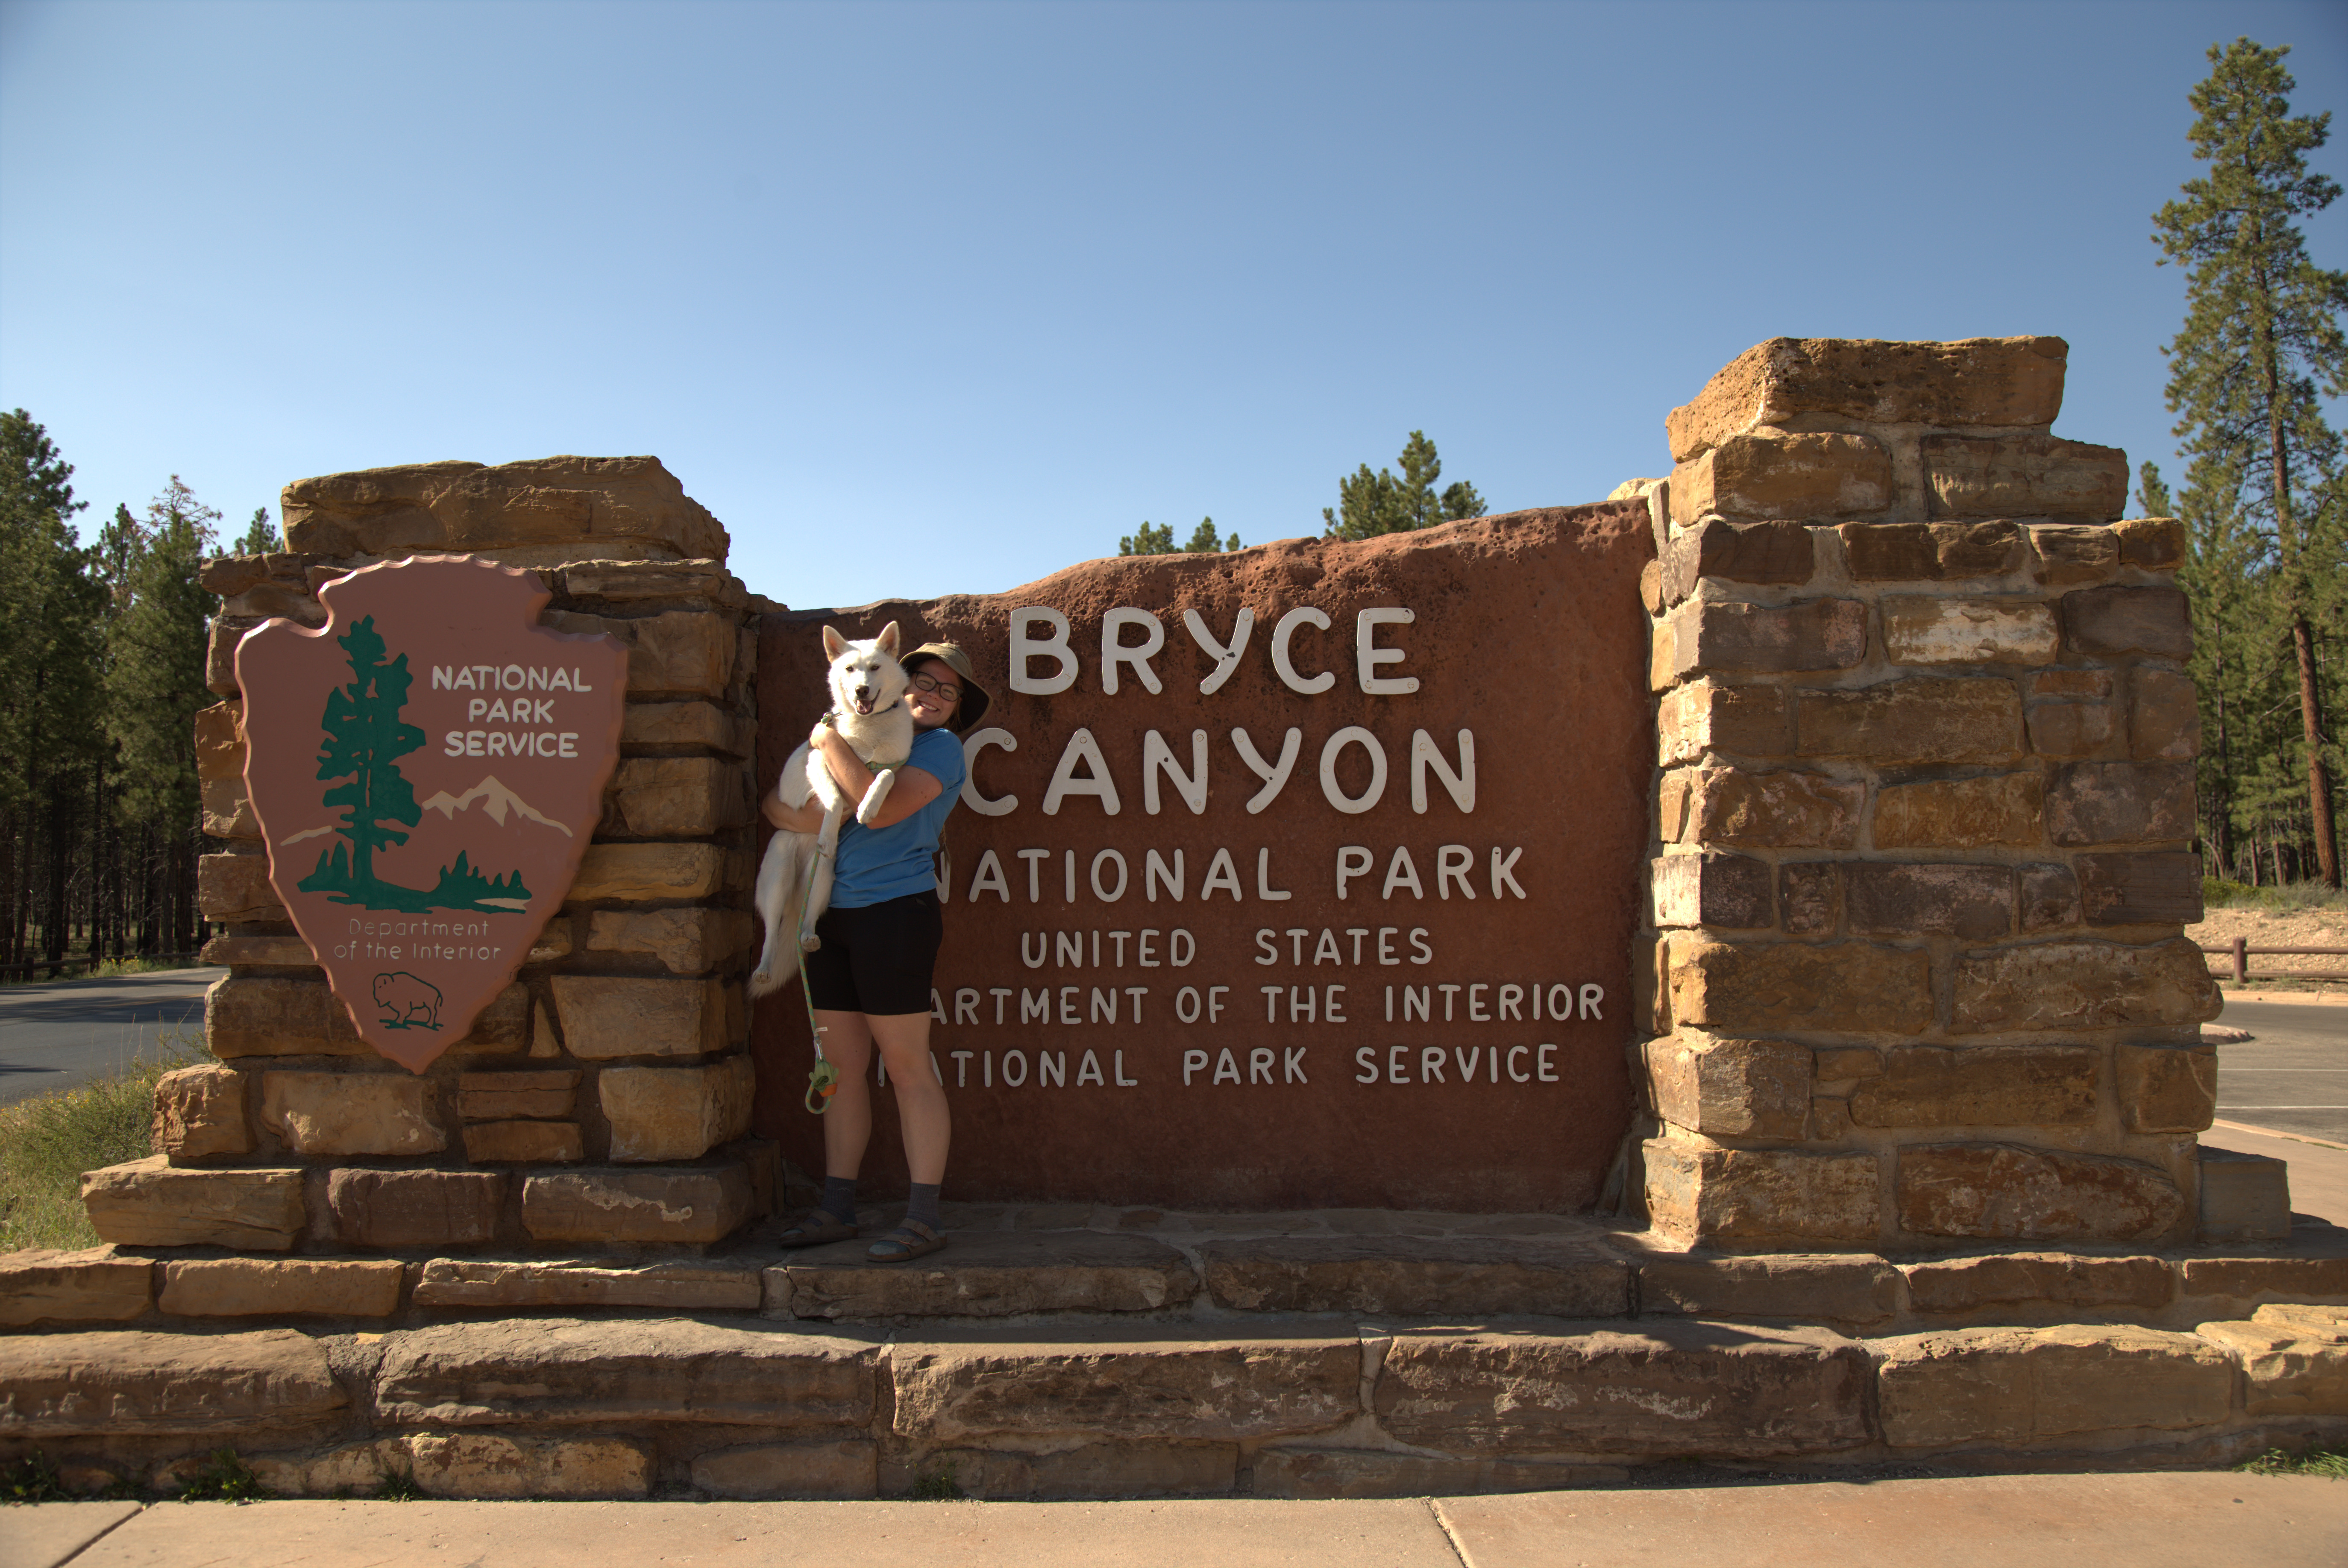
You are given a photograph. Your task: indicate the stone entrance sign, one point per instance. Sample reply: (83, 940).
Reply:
(1301, 876)
(426, 769)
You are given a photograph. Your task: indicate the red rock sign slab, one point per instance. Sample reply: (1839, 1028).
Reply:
(1229, 925)
(427, 768)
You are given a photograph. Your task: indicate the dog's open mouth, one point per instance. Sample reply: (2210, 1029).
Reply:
(864, 704)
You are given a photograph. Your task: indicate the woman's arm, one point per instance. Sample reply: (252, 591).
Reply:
(915, 787)
(807, 817)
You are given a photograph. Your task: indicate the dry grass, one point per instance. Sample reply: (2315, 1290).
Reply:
(112, 969)
(2303, 914)
(46, 1142)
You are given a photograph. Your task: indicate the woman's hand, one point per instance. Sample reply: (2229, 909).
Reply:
(807, 817)
(847, 768)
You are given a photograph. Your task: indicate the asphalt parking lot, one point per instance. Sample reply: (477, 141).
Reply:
(2292, 1075)
(57, 1034)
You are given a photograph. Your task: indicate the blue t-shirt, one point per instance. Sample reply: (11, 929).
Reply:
(877, 864)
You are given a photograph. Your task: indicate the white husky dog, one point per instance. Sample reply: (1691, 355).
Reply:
(869, 710)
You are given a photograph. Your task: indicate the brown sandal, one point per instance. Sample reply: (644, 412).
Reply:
(911, 1239)
(815, 1228)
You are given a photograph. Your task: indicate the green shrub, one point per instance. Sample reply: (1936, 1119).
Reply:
(46, 1142)
(2316, 1459)
(941, 1485)
(31, 1480)
(2217, 892)
(222, 1477)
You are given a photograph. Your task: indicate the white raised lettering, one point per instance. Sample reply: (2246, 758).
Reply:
(1024, 648)
(1099, 892)
(1303, 615)
(1504, 872)
(1115, 653)
(1352, 805)
(972, 745)
(1263, 888)
(1368, 656)
(1460, 786)
(989, 878)
(1227, 659)
(1083, 747)
(1274, 775)
(1222, 872)
(1157, 756)
(1154, 871)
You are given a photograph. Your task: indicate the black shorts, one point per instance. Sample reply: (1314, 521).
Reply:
(877, 959)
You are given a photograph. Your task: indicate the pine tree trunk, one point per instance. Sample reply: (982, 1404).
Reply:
(2310, 706)
(53, 919)
(2319, 778)
(8, 886)
(2226, 854)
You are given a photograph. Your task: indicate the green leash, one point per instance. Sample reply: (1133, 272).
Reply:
(824, 1082)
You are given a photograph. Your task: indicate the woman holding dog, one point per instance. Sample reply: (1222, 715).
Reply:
(869, 982)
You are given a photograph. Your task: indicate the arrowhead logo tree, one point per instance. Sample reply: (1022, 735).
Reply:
(364, 738)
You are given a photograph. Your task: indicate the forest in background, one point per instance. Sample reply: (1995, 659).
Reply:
(2257, 360)
(102, 651)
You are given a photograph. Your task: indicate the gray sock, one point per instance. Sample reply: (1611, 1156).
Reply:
(921, 1203)
(840, 1199)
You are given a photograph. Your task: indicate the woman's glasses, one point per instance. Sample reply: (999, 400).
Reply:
(946, 689)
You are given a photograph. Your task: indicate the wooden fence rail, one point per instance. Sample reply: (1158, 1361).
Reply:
(2240, 951)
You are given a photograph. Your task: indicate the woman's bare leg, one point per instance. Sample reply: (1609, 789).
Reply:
(847, 1125)
(904, 1040)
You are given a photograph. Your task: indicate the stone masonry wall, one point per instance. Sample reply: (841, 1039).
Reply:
(604, 1096)
(1924, 810)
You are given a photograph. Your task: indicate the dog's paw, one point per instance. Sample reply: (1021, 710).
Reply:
(810, 942)
(764, 983)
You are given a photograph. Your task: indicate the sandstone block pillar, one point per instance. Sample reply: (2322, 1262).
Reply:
(622, 1039)
(1924, 813)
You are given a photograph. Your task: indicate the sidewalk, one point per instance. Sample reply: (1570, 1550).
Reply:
(2319, 1169)
(2145, 1519)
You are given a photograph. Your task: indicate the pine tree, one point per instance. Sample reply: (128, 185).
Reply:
(2221, 586)
(49, 605)
(155, 680)
(1205, 541)
(2260, 346)
(260, 536)
(1159, 539)
(1369, 504)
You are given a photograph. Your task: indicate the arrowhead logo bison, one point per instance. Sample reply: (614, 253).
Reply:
(427, 768)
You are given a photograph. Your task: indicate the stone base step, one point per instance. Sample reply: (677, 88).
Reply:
(1289, 1405)
(1207, 1269)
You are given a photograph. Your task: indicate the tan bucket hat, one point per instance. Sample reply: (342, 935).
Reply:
(975, 699)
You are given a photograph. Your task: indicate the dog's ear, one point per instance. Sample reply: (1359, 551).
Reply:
(832, 643)
(887, 641)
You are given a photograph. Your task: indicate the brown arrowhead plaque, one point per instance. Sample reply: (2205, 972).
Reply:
(427, 768)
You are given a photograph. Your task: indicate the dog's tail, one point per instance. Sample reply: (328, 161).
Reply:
(780, 895)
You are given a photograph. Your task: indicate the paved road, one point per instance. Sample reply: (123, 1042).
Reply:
(61, 1033)
(2292, 1074)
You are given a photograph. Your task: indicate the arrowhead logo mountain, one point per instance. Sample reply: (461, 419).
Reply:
(432, 678)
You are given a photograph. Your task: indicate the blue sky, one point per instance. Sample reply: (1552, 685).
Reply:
(927, 298)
